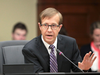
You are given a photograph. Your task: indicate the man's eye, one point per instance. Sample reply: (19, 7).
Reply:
(53, 25)
(45, 24)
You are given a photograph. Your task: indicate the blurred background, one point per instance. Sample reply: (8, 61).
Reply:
(77, 16)
(13, 11)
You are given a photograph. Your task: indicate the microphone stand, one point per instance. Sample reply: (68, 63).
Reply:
(61, 53)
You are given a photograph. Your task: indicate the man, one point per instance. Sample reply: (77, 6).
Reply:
(19, 31)
(42, 50)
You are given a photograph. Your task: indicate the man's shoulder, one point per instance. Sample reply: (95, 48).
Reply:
(33, 42)
(65, 37)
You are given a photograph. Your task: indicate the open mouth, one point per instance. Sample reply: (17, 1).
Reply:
(49, 36)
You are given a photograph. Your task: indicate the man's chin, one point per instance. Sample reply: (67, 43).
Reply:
(49, 41)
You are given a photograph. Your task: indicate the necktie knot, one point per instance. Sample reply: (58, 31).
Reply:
(52, 47)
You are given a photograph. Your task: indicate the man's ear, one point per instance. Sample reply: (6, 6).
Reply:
(60, 26)
(39, 25)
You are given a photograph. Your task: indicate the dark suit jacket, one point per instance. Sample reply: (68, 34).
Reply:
(35, 52)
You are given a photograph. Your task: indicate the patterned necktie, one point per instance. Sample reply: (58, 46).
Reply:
(53, 60)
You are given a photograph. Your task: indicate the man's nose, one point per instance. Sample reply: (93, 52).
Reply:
(49, 28)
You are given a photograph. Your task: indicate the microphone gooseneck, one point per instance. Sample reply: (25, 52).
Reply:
(61, 53)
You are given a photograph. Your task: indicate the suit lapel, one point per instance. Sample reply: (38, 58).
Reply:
(61, 48)
(44, 53)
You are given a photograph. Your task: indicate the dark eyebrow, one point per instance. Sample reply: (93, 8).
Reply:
(54, 23)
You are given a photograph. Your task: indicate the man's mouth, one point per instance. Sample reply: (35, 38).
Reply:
(49, 35)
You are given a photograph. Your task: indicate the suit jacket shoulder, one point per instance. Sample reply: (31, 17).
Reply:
(65, 38)
(33, 43)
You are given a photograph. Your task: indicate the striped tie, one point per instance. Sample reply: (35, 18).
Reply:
(53, 60)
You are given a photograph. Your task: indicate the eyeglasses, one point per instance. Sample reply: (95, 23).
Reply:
(53, 26)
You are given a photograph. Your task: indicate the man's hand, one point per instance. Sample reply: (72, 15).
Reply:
(87, 61)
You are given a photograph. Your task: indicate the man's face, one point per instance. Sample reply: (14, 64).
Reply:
(19, 34)
(49, 34)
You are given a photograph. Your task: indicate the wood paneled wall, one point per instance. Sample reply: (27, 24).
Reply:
(77, 16)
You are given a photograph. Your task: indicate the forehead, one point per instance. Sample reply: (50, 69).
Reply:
(53, 19)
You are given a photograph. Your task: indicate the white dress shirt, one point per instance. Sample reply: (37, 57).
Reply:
(47, 46)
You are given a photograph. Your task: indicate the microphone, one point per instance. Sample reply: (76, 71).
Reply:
(61, 53)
